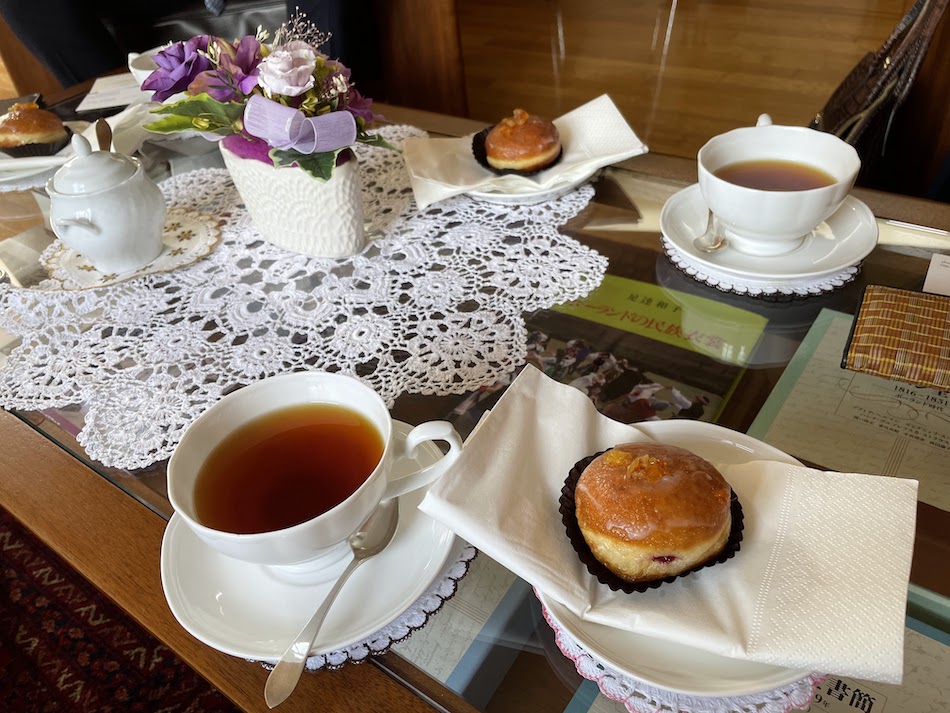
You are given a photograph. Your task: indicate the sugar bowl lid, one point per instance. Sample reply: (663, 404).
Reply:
(90, 171)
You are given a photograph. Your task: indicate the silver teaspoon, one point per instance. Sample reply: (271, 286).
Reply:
(371, 539)
(104, 135)
(712, 240)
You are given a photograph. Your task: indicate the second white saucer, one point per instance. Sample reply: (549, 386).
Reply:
(243, 609)
(846, 238)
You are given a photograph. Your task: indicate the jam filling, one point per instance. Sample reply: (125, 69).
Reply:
(664, 559)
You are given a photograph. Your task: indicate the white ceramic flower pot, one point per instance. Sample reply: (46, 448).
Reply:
(295, 211)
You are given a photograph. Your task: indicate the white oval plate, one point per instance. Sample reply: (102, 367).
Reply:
(530, 197)
(843, 240)
(665, 664)
(244, 610)
(41, 175)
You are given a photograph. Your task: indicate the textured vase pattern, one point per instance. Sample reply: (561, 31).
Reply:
(296, 211)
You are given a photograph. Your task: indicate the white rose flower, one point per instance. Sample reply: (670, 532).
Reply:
(288, 69)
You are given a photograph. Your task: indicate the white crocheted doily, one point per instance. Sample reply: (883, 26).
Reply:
(401, 628)
(433, 306)
(758, 288)
(640, 697)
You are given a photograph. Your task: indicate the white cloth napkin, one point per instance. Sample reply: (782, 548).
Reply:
(820, 582)
(592, 136)
(128, 133)
(127, 138)
(26, 163)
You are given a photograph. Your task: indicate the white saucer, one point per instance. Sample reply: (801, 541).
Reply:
(843, 240)
(242, 609)
(665, 664)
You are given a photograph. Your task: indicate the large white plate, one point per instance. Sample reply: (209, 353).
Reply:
(246, 610)
(665, 664)
(843, 240)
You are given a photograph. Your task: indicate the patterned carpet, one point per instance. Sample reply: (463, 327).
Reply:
(66, 647)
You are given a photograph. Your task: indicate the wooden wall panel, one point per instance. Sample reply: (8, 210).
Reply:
(26, 73)
(420, 54)
(679, 70)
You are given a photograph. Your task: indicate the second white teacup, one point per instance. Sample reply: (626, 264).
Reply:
(210, 483)
(767, 222)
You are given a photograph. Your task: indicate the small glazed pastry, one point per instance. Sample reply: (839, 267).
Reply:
(650, 511)
(27, 126)
(522, 142)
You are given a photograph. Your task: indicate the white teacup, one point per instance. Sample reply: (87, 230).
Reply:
(773, 222)
(320, 542)
(142, 64)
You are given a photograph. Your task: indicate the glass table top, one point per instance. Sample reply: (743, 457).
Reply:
(751, 364)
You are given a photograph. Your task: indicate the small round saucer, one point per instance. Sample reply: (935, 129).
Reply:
(245, 610)
(842, 241)
(188, 237)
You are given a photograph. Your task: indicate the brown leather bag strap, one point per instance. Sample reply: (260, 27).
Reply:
(882, 79)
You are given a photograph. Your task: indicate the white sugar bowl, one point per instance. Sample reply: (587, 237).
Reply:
(104, 207)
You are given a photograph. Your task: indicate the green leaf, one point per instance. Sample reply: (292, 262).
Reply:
(375, 140)
(318, 165)
(171, 125)
(199, 112)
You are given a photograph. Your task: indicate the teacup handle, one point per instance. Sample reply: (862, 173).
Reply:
(430, 431)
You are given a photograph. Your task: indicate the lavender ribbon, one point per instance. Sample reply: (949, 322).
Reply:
(287, 128)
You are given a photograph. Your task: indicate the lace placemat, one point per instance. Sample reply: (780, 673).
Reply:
(639, 697)
(775, 289)
(402, 627)
(434, 305)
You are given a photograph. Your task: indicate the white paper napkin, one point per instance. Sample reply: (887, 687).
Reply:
(592, 136)
(820, 582)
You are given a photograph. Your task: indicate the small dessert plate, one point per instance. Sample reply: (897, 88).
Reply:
(33, 171)
(846, 238)
(666, 664)
(249, 611)
(39, 174)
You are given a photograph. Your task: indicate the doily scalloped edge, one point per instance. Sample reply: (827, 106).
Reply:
(426, 606)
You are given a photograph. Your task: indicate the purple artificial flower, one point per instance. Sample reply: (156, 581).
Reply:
(178, 65)
(248, 147)
(360, 107)
(236, 75)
